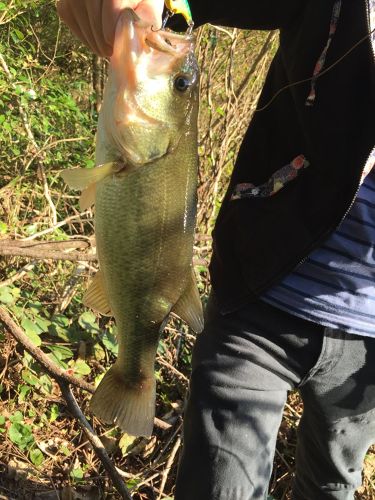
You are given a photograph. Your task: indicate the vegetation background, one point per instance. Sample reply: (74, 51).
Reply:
(50, 93)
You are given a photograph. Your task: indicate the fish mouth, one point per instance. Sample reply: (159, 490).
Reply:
(141, 58)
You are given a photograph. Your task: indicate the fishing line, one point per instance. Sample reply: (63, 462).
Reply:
(323, 72)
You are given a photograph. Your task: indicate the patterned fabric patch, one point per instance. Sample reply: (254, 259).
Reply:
(322, 58)
(274, 183)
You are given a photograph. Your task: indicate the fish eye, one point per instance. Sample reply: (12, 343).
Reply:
(182, 83)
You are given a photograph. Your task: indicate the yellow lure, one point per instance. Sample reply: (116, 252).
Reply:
(180, 7)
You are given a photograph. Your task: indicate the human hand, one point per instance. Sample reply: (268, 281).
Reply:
(94, 21)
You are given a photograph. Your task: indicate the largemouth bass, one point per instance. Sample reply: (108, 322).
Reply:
(144, 190)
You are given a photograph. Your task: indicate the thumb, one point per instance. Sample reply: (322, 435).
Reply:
(151, 11)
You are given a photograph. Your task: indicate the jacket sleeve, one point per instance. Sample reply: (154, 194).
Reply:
(247, 14)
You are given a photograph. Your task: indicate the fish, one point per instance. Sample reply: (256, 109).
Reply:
(144, 188)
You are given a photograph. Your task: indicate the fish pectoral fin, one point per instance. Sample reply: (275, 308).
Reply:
(87, 198)
(189, 305)
(96, 298)
(81, 178)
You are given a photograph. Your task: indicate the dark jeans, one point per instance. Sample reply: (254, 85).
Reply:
(243, 365)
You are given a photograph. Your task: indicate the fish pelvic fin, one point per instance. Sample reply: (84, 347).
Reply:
(96, 298)
(189, 305)
(128, 404)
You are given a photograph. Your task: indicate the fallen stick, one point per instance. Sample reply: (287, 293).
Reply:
(64, 380)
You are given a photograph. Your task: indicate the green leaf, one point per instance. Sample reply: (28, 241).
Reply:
(19, 34)
(23, 392)
(52, 356)
(31, 326)
(81, 367)
(60, 320)
(54, 412)
(65, 450)
(3, 226)
(16, 417)
(110, 342)
(21, 435)
(77, 474)
(2, 6)
(36, 456)
(87, 321)
(60, 351)
(29, 378)
(99, 352)
(2, 420)
(132, 483)
(6, 297)
(46, 383)
(42, 323)
(32, 331)
(126, 443)
(31, 228)
(90, 163)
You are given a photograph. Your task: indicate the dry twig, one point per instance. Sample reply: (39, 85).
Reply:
(64, 380)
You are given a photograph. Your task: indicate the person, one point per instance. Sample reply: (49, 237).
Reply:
(293, 267)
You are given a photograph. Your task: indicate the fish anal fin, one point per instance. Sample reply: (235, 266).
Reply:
(131, 406)
(189, 305)
(96, 298)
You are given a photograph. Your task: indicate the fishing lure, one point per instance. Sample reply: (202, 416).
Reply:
(179, 7)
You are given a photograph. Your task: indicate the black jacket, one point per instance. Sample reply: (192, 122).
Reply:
(258, 240)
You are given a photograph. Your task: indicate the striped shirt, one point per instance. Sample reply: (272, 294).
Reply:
(335, 285)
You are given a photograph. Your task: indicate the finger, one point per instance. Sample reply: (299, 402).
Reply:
(111, 10)
(81, 17)
(68, 18)
(151, 11)
(94, 10)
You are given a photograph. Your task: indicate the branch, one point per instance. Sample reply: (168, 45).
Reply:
(47, 250)
(55, 371)
(18, 274)
(169, 466)
(94, 440)
(64, 380)
(45, 255)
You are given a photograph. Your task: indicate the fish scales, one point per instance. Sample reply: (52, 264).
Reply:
(146, 277)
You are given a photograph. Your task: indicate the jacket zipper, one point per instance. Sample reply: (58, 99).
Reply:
(369, 156)
(335, 226)
(369, 27)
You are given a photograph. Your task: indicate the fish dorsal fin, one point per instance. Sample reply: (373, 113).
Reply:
(189, 305)
(96, 298)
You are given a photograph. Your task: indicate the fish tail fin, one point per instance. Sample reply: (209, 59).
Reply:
(128, 404)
